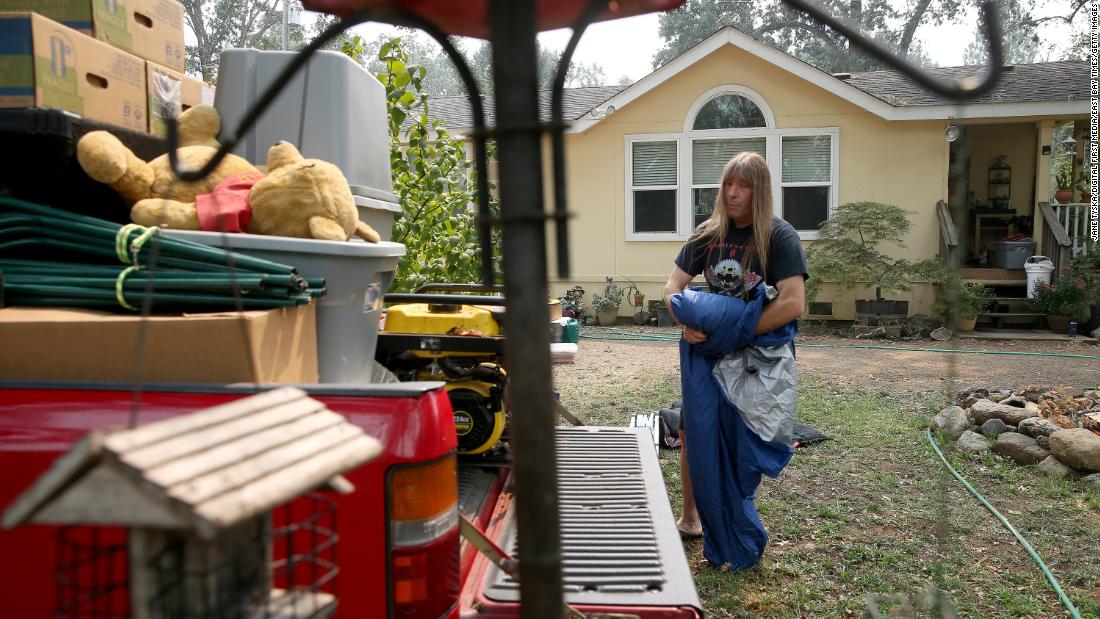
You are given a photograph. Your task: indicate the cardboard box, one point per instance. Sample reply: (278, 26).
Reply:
(151, 29)
(172, 92)
(268, 346)
(46, 64)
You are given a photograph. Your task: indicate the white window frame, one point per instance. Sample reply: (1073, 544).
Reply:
(834, 173)
(730, 89)
(684, 139)
(631, 235)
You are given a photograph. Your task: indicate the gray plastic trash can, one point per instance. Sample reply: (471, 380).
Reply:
(333, 109)
(356, 274)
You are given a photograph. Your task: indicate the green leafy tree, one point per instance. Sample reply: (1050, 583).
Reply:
(848, 251)
(258, 24)
(579, 74)
(433, 178)
(1021, 37)
(218, 24)
(775, 24)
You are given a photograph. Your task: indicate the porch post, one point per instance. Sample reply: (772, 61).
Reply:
(1045, 129)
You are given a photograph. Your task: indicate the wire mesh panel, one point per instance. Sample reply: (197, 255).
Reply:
(91, 573)
(281, 564)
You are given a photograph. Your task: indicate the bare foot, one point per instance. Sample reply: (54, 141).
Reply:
(689, 528)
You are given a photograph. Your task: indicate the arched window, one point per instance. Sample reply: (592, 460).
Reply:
(729, 112)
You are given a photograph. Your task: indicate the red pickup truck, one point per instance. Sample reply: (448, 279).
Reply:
(399, 549)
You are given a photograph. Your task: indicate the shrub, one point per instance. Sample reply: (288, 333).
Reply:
(611, 298)
(1066, 296)
(847, 252)
(964, 300)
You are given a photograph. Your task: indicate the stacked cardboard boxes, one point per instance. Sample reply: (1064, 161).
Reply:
(117, 62)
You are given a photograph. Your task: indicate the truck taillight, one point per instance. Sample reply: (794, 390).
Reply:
(423, 539)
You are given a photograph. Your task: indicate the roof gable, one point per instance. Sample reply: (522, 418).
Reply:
(888, 94)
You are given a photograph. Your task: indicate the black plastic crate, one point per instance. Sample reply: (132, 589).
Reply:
(38, 162)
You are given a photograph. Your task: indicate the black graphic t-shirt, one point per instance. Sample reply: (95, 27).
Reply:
(721, 264)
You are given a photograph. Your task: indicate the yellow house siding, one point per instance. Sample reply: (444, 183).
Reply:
(903, 163)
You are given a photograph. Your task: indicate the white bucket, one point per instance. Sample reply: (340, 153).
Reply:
(1038, 269)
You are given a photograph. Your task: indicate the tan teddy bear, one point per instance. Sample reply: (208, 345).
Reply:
(306, 198)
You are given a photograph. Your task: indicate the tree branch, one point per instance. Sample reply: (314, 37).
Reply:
(911, 27)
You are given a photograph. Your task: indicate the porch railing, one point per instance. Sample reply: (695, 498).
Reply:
(1074, 217)
(1057, 244)
(949, 236)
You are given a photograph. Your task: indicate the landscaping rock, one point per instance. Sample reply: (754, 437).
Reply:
(1036, 427)
(968, 402)
(977, 392)
(952, 421)
(1051, 466)
(1077, 447)
(1015, 400)
(1043, 441)
(1022, 449)
(1092, 480)
(997, 397)
(972, 442)
(993, 427)
(984, 410)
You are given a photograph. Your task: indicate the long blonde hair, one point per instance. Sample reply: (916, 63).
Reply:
(751, 167)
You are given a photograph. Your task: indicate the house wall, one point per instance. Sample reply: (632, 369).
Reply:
(1018, 142)
(903, 163)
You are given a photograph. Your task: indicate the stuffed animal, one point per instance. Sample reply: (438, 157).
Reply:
(306, 198)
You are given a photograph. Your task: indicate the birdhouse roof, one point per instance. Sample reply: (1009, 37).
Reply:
(207, 470)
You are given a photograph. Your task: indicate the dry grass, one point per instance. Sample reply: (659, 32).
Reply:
(872, 512)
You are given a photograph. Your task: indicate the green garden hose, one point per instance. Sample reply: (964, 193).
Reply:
(1023, 542)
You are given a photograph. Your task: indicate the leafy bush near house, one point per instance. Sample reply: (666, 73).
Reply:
(1067, 295)
(965, 300)
(848, 251)
(1087, 267)
(434, 180)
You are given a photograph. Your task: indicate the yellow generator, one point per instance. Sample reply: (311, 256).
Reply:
(445, 338)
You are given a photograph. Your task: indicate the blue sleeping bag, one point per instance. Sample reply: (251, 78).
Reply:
(725, 459)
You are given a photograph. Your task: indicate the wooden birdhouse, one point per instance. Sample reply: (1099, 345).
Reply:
(196, 494)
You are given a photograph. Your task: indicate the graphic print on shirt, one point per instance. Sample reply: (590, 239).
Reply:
(728, 277)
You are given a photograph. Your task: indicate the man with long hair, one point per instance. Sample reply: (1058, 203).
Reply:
(741, 245)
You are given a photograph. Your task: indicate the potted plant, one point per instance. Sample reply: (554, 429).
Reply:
(1063, 183)
(962, 301)
(847, 254)
(1084, 186)
(1063, 300)
(606, 305)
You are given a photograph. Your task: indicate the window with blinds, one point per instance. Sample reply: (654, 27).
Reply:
(708, 160)
(653, 179)
(807, 179)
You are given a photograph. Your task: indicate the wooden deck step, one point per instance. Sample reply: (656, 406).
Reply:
(991, 273)
(1012, 314)
(1022, 281)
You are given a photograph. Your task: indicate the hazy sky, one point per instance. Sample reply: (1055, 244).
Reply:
(626, 46)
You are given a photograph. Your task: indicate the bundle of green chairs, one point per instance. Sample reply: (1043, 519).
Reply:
(55, 258)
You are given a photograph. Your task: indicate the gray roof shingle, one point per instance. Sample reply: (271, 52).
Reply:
(1023, 83)
(576, 102)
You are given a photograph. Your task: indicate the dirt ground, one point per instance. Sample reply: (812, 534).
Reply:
(893, 370)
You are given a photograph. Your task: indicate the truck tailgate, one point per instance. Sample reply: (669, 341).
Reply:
(621, 550)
